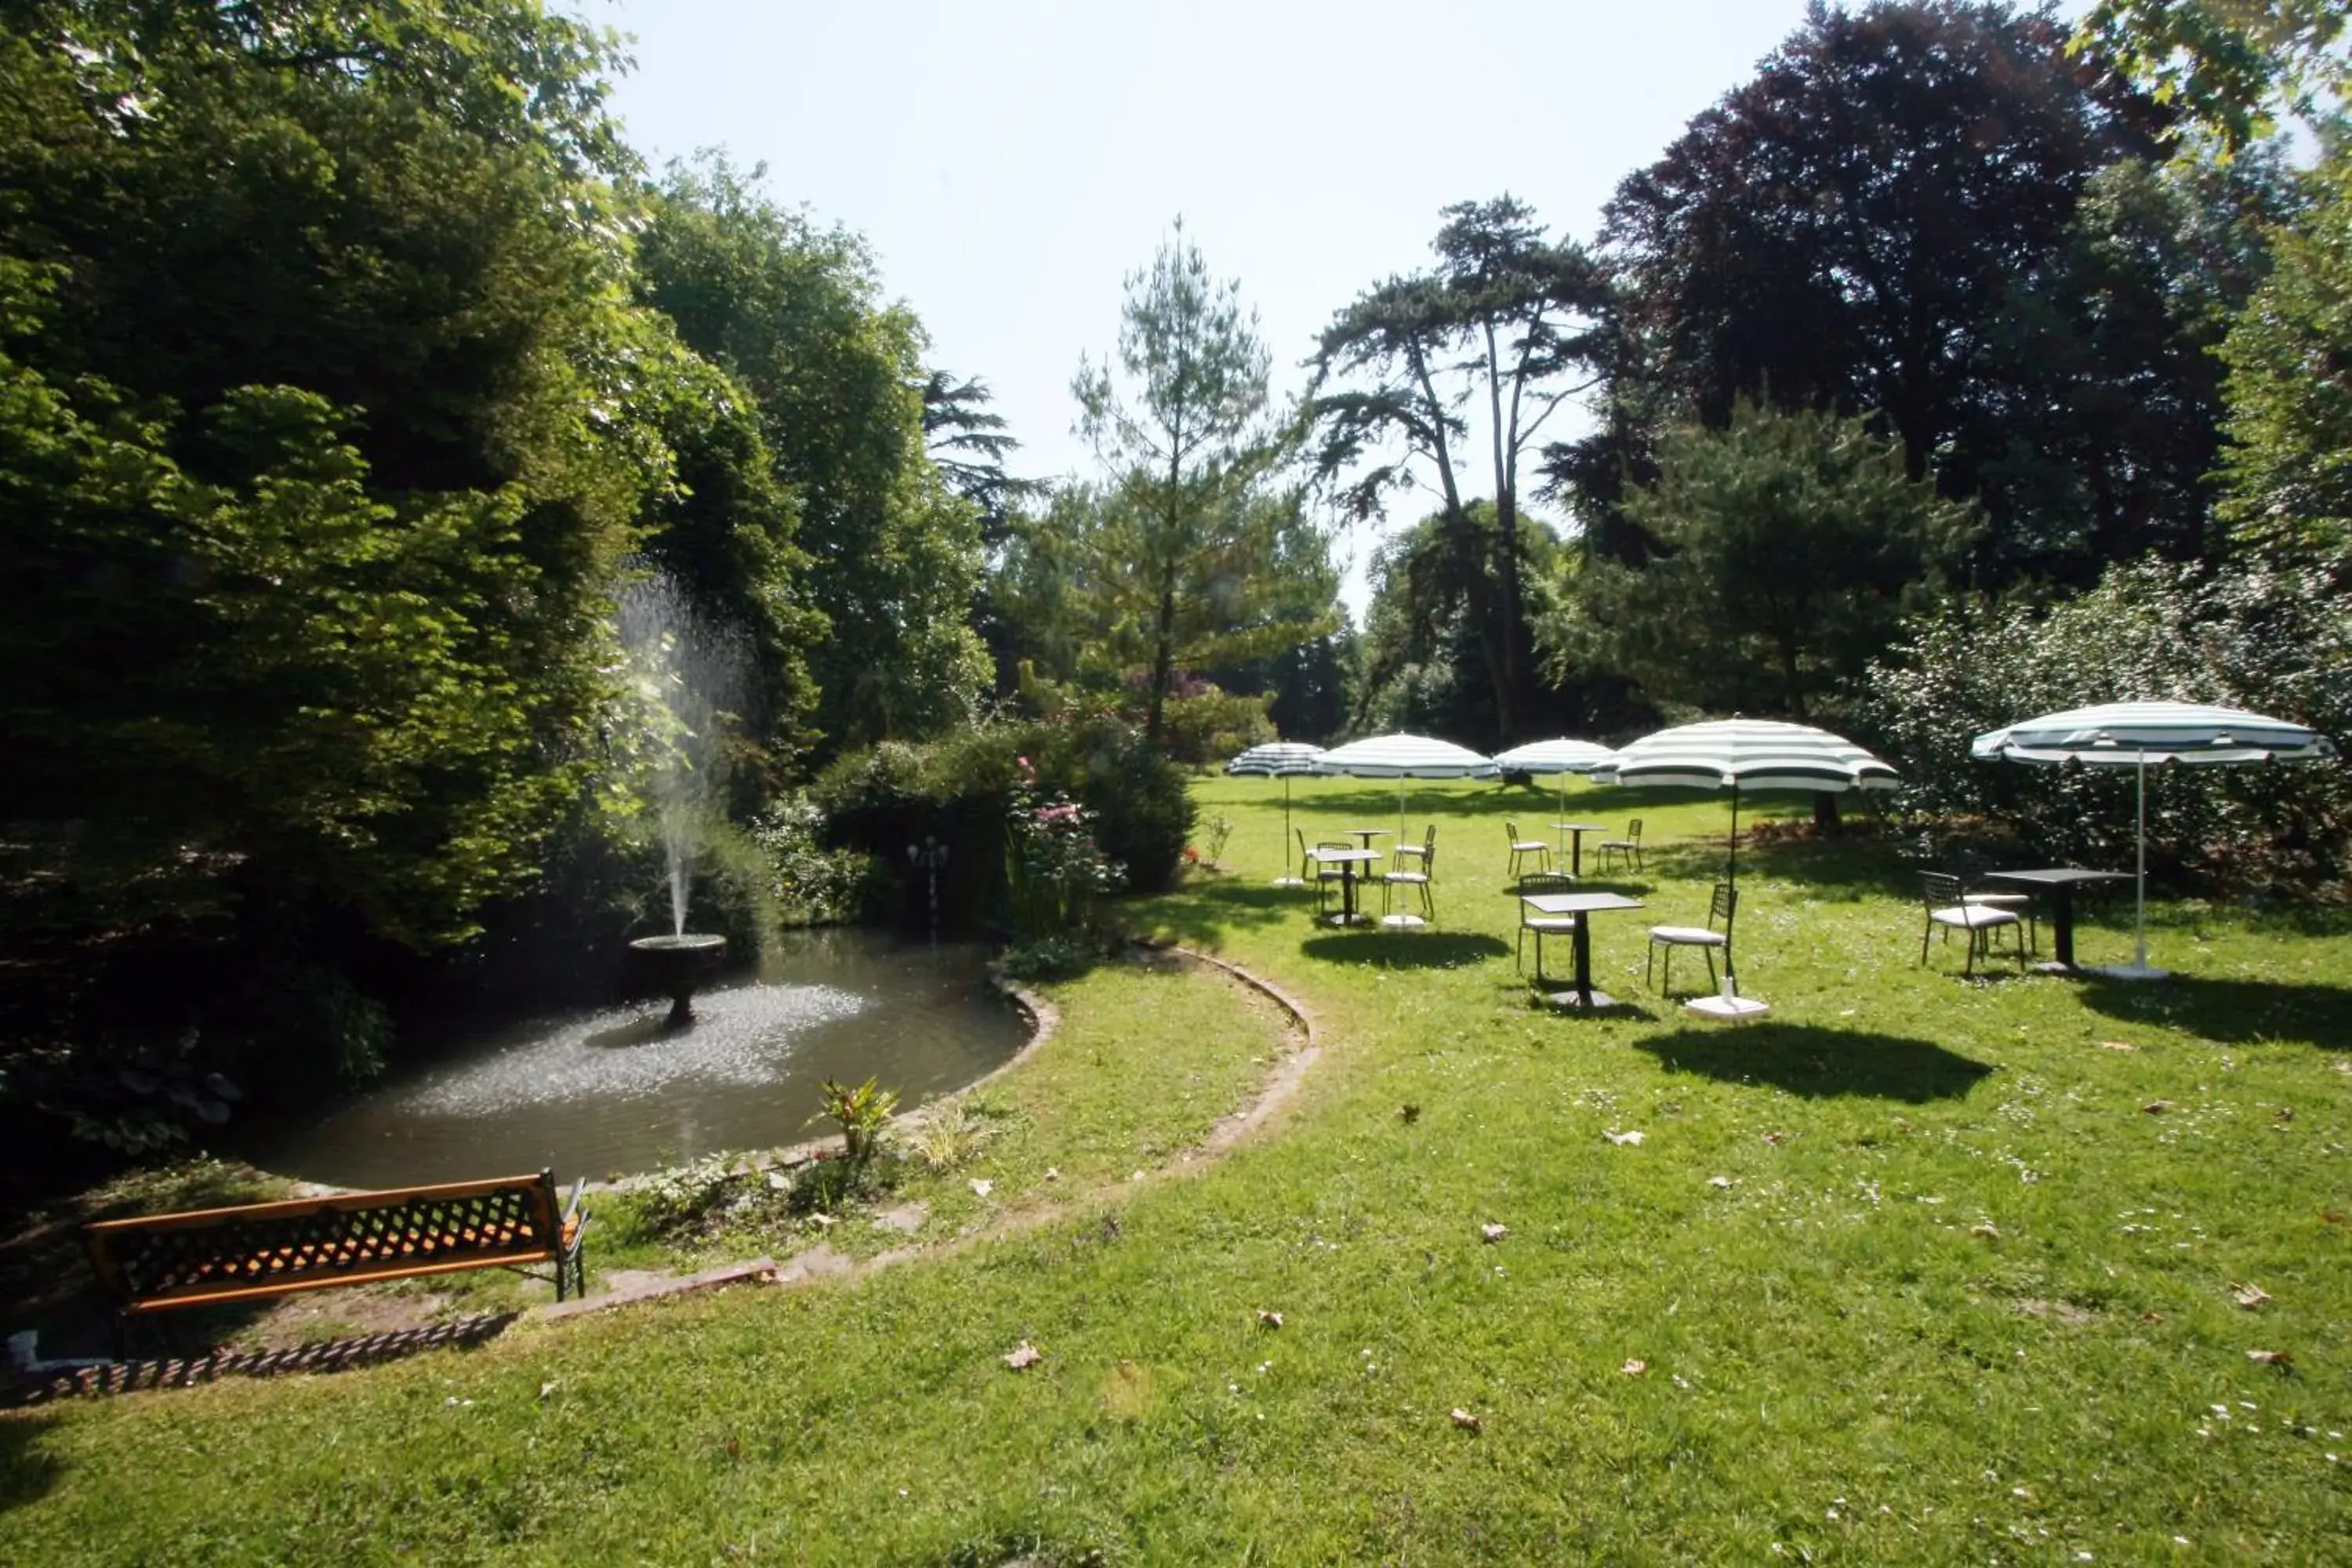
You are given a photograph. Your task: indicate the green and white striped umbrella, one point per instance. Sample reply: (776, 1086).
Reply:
(1402, 757)
(1284, 760)
(1562, 756)
(2133, 735)
(1746, 753)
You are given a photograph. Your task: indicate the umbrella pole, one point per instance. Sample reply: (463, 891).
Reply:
(2139, 877)
(1730, 974)
(1283, 859)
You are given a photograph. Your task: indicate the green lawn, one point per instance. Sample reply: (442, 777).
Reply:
(1912, 1273)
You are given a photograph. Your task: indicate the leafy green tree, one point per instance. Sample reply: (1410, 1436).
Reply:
(2288, 471)
(1888, 220)
(1189, 555)
(2230, 65)
(1790, 547)
(312, 320)
(1087, 582)
(1503, 325)
(793, 314)
(971, 444)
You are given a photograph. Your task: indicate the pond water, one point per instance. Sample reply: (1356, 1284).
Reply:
(607, 1091)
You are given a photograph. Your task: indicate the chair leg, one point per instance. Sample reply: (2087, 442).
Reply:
(1666, 979)
(1925, 932)
(1650, 966)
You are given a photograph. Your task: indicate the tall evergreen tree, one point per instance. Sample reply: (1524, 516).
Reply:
(1190, 555)
(1505, 326)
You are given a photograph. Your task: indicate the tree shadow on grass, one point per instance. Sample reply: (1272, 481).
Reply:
(1405, 949)
(1202, 916)
(27, 1470)
(2235, 1012)
(1822, 1064)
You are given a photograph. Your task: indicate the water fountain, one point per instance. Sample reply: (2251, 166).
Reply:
(686, 674)
(617, 1090)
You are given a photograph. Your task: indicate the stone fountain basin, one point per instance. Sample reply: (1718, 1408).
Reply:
(675, 965)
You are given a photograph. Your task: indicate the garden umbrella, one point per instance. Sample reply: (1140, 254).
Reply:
(1562, 757)
(1402, 757)
(2134, 734)
(1285, 760)
(1745, 753)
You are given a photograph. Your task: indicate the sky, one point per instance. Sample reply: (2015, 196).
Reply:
(1010, 164)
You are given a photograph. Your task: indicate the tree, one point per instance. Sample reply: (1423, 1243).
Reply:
(320, 447)
(1506, 320)
(1087, 582)
(2229, 65)
(970, 443)
(1790, 547)
(1189, 553)
(1888, 221)
(2288, 474)
(793, 314)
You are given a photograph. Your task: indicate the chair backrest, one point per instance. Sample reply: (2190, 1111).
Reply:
(1546, 882)
(1510, 830)
(1428, 851)
(1634, 830)
(1940, 890)
(1723, 905)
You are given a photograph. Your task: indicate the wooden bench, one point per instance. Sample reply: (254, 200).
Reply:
(160, 1263)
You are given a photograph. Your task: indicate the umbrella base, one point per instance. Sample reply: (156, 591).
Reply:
(1727, 1009)
(1290, 882)
(2128, 972)
(1402, 922)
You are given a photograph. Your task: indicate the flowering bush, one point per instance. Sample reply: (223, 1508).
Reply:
(1057, 872)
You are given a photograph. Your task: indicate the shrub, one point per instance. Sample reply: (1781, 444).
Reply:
(959, 790)
(2272, 641)
(1206, 724)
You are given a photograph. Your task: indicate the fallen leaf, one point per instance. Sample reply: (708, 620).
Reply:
(1467, 1422)
(2156, 1107)
(1776, 1138)
(2286, 1113)
(2272, 1358)
(2118, 1046)
(1269, 1319)
(2249, 1296)
(546, 1391)
(2151, 1317)
(2332, 1217)
(1724, 1181)
(1985, 1227)
(1630, 1137)
(1052, 1174)
(1408, 1114)
(1494, 1232)
(1634, 1368)
(1024, 1356)
(982, 1185)
(822, 1221)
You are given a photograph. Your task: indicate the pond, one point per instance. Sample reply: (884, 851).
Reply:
(606, 1092)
